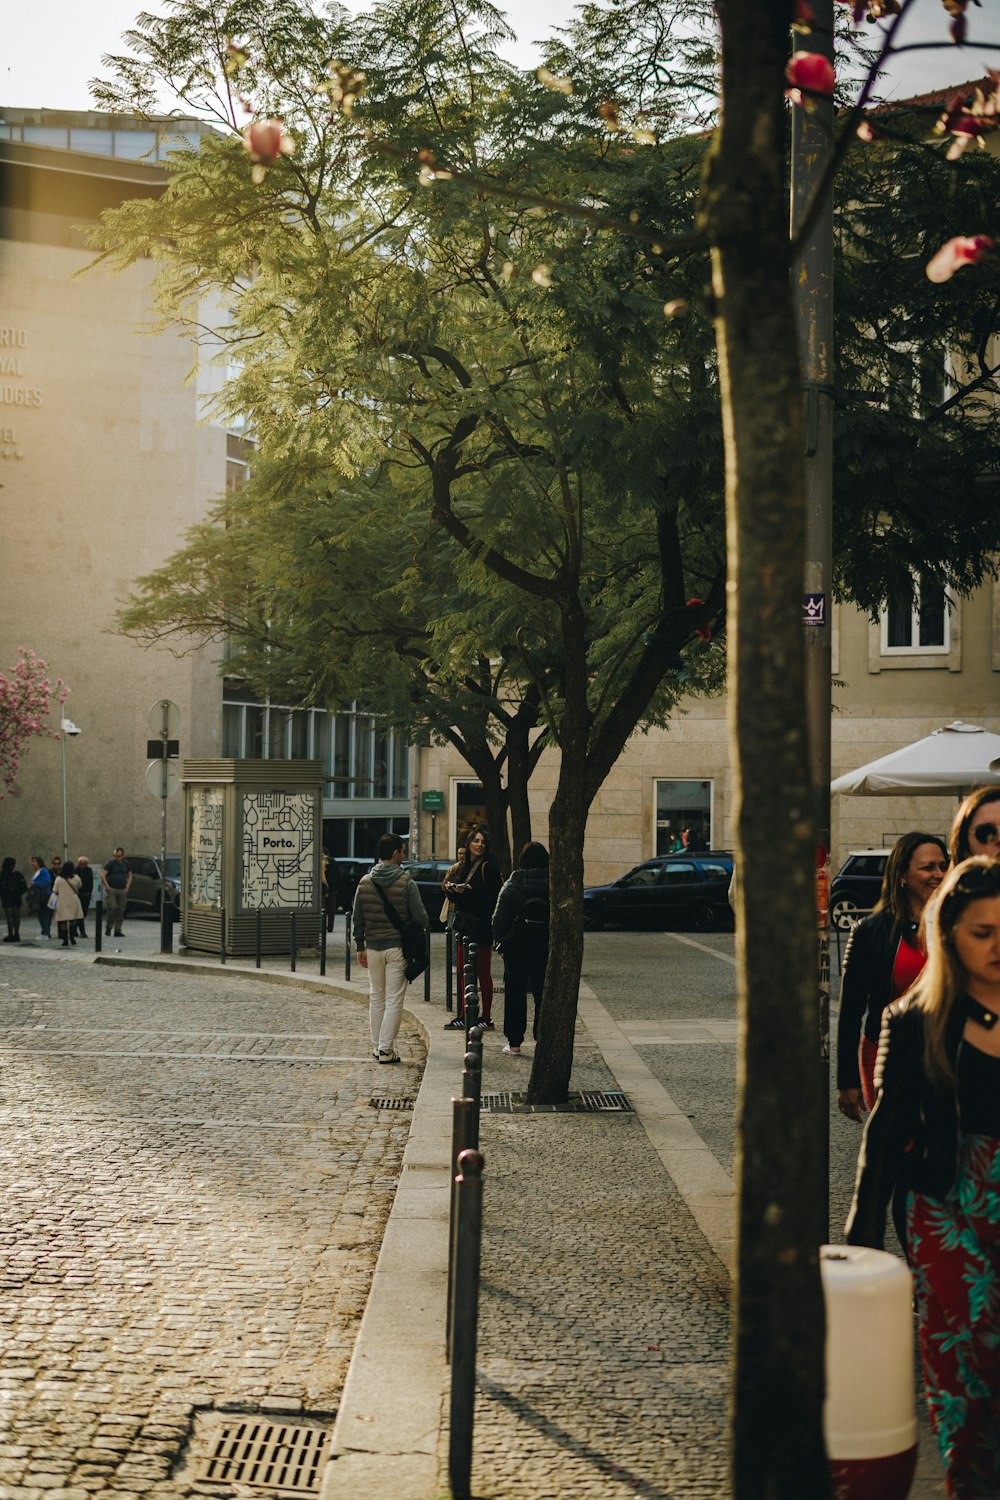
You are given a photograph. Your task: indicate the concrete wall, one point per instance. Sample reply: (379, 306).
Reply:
(103, 472)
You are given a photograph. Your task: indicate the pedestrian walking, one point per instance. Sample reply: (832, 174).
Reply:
(386, 888)
(116, 877)
(68, 911)
(883, 957)
(39, 894)
(521, 935)
(13, 889)
(473, 891)
(976, 826)
(86, 875)
(933, 1141)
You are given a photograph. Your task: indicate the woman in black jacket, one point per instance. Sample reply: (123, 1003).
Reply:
(473, 887)
(933, 1139)
(13, 889)
(521, 932)
(882, 960)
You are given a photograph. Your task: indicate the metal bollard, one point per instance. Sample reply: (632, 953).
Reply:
(472, 1080)
(449, 969)
(322, 941)
(166, 927)
(470, 994)
(427, 971)
(464, 1137)
(347, 947)
(291, 941)
(98, 924)
(222, 934)
(257, 936)
(464, 1321)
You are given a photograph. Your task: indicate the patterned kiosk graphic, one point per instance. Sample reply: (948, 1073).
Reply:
(279, 850)
(205, 845)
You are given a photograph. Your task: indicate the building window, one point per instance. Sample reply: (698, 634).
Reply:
(919, 625)
(683, 815)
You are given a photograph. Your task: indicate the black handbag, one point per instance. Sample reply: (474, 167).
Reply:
(413, 940)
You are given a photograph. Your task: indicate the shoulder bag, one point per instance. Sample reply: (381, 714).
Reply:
(412, 937)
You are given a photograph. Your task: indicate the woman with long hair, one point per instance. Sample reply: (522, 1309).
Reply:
(933, 1140)
(472, 886)
(976, 826)
(883, 958)
(69, 911)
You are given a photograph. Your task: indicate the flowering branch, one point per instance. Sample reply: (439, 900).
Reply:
(26, 698)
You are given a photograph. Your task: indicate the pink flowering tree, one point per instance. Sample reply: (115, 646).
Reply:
(27, 696)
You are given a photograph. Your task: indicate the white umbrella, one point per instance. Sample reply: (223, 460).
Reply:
(951, 760)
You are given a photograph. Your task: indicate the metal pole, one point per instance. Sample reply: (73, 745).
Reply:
(291, 941)
(322, 934)
(257, 925)
(464, 1321)
(464, 1136)
(222, 934)
(347, 947)
(469, 993)
(427, 971)
(812, 282)
(99, 924)
(62, 742)
(472, 1080)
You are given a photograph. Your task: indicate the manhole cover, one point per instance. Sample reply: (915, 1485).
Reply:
(280, 1457)
(596, 1102)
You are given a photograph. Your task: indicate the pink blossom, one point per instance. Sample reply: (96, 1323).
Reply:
(266, 141)
(809, 73)
(963, 250)
(26, 697)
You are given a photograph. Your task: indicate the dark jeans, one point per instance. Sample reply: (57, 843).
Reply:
(79, 929)
(523, 970)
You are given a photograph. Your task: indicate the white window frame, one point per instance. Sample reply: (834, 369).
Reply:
(915, 648)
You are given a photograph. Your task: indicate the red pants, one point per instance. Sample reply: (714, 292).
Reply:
(484, 980)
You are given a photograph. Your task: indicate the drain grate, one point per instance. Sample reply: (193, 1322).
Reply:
(392, 1101)
(595, 1102)
(267, 1455)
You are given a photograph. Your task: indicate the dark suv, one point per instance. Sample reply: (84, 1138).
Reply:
(427, 876)
(855, 888)
(682, 890)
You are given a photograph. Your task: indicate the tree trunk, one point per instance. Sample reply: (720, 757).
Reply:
(778, 1378)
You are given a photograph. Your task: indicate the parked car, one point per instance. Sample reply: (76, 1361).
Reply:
(428, 875)
(855, 888)
(682, 890)
(349, 871)
(146, 889)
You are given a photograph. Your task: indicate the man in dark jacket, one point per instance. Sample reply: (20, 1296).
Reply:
(379, 943)
(521, 933)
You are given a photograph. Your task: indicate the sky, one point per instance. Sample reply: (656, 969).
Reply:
(52, 48)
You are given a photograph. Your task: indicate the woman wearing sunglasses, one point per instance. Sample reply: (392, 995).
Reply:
(933, 1139)
(976, 829)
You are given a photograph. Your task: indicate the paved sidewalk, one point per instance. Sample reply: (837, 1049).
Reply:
(604, 1330)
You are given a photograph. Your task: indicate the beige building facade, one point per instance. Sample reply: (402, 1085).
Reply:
(107, 457)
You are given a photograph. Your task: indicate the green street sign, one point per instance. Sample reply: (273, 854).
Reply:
(431, 801)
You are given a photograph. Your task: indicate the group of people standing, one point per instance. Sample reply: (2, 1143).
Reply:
(483, 909)
(919, 1046)
(62, 891)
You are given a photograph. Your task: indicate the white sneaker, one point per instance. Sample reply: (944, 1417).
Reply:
(512, 1051)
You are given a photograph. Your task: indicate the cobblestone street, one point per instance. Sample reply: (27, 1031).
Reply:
(194, 1189)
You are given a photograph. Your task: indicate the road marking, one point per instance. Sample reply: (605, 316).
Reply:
(727, 958)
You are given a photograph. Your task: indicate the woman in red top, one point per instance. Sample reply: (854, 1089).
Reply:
(883, 958)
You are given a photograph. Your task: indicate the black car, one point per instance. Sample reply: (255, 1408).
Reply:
(856, 886)
(347, 872)
(146, 890)
(428, 875)
(680, 890)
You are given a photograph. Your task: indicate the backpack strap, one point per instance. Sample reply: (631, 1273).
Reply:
(390, 910)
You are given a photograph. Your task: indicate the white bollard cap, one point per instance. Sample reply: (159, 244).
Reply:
(869, 1409)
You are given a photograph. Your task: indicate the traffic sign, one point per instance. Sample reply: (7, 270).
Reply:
(162, 778)
(164, 718)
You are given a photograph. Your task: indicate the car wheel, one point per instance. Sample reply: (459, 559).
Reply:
(704, 918)
(844, 913)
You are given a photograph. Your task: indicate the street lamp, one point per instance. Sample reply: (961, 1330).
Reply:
(68, 728)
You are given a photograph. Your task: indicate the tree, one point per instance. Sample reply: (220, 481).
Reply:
(26, 698)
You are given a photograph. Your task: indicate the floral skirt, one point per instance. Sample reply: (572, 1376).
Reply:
(955, 1257)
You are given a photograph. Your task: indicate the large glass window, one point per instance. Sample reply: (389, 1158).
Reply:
(232, 730)
(400, 767)
(383, 749)
(341, 785)
(683, 815)
(364, 735)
